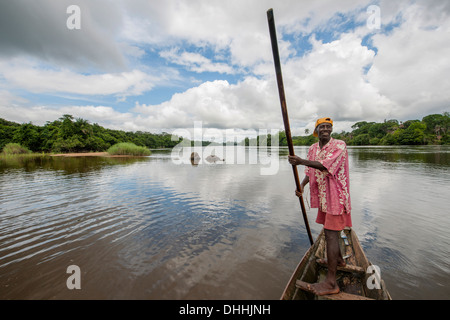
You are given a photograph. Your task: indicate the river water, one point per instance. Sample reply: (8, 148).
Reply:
(161, 228)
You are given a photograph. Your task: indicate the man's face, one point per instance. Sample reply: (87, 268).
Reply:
(324, 130)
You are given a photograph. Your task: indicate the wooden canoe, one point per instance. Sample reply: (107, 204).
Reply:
(356, 280)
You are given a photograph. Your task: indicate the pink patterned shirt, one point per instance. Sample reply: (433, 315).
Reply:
(330, 189)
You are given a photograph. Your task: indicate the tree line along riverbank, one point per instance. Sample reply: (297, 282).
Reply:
(433, 129)
(74, 135)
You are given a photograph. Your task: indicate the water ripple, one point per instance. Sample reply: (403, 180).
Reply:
(158, 230)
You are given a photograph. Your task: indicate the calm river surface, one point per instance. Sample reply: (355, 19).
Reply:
(152, 228)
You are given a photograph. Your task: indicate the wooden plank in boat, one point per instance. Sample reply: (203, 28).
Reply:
(347, 268)
(338, 296)
(343, 296)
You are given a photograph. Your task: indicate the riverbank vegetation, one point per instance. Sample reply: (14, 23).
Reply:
(431, 130)
(128, 148)
(15, 148)
(17, 153)
(69, 134)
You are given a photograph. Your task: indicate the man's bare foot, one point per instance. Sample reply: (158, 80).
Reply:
(324, 288)
(341, 262)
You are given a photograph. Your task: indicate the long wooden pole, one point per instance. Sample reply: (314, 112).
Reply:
(276, 58)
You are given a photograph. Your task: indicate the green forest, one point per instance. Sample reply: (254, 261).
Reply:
(69, 134)
(433, 129)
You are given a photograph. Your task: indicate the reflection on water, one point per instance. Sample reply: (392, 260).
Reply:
(401, 204)
(147, 228)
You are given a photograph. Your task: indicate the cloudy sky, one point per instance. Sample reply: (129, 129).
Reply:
(161, 65)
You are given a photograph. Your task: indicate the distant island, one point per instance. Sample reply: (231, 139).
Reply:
(75, 135)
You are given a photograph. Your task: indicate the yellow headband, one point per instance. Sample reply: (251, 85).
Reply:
(319, 122)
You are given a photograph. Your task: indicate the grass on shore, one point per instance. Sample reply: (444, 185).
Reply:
(14, 148)
(129, 149)
(14, 152)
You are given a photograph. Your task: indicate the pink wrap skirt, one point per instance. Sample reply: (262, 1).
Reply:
(334, 222)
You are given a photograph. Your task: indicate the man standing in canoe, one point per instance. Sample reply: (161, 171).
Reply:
(327, 173)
